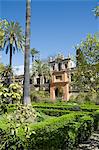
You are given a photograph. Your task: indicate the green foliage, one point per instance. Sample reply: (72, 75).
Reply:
(1, 69)
(6, 75)
(18, 130)
(54, 106)
(86, 75)
(86, 128)
(41, 69)
(10, 94)
(13, 122)
(53, 112)
(55, 133)
(3, 24)
(86, 97)
(63, 108)
(14, 36)
(96, 120)
(4, 98)
(34, 52)
(38, 96)
(23, 114)
(15, 92)
(96, 11)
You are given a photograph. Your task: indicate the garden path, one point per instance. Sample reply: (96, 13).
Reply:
(91, 144)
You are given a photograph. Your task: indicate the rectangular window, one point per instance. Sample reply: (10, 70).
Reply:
(38, 80)
(59, 77)
(53, 67)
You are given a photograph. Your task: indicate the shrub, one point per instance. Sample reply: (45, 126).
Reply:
(53, 112)
(55, 133)
(86, 97)
(10, 124)
(37, 96)
(61, 132)
(55, 106)
(68, 106)
(86, 128)
(11, 94)
(96, 120)
(89, 107)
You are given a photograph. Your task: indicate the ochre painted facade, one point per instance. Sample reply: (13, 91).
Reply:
(59, 80)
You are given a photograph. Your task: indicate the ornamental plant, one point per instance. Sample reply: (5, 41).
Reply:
(18, 121)
(10, 94)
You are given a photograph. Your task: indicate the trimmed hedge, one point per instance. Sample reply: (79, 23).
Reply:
(71, 107)
(96, 120)
(50, 106)
(60, 133)
(53, 112)
(64, 132)
(59, 112)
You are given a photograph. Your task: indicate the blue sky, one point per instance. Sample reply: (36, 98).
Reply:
(56, 25)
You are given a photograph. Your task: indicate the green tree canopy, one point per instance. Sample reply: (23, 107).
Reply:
(96, 11)
(13, 38)
(86, 76)
(41, 69)
(34, 52)
(3, 24)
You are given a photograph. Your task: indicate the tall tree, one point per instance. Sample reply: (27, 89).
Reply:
(86, 75)
(33, 53)
(42, 70)
(96, 11)
(79, 57)
(13, 39)
(3, 24)
(26, 90)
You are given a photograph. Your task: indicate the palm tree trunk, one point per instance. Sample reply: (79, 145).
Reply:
(26, 90)
(10, 64)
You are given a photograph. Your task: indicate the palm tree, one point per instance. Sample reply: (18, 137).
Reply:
(26, 90)
(13, 39)
(33, 53)
(46, 71)
(96, 11)
(42, 70)
(3, 24)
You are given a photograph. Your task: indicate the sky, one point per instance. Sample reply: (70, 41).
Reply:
(57, 26)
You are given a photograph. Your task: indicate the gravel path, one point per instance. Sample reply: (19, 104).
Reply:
(91, 144)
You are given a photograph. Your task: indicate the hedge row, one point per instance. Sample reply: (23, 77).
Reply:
(60, 106)
(60, 133)
(84, 107)
(58, 112)
(64, 132)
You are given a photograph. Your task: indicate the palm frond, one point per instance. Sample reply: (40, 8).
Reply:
(7, 49)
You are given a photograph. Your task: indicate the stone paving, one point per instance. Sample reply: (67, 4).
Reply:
(91, 144)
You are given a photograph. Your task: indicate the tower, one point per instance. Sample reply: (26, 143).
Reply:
(59, 86)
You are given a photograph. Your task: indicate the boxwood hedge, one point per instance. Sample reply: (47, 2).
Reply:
(63, 132)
